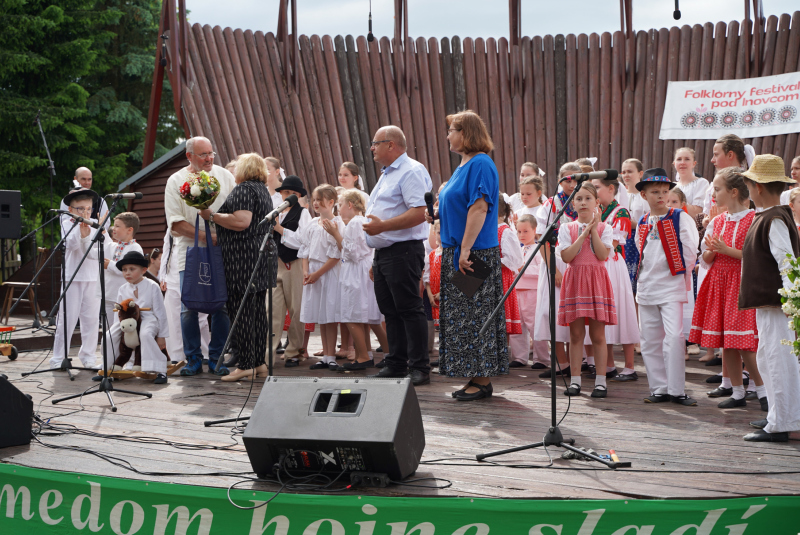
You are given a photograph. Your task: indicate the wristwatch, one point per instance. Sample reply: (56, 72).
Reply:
(211, 217)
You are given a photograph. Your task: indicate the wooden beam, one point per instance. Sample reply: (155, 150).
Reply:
(155, 99)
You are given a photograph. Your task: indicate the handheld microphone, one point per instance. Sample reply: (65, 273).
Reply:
(429, 202)
(291, 200)
(608, 174)
(115, 196)
(677, 13)
(78, 218)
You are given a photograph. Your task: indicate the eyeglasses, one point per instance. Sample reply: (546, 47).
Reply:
(155, 252)
(376, 143)
(206, 155)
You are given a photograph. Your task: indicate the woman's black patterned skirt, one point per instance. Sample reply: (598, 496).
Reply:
(461, 352)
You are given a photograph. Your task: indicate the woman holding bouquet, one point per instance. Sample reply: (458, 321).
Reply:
(240, 237)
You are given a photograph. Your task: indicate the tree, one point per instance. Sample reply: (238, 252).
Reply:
(87, 65)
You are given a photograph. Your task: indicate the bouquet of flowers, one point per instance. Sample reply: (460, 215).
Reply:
(791, 302)
(200, 190)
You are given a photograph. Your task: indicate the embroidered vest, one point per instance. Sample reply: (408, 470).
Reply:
(669, 232)
(620, 219)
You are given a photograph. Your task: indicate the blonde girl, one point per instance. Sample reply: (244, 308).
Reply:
(795, 174)
(587, 296)
(693, 187)
(275, 176)
(526, 170)
(321, 258)
(358, 308)
(717, 320)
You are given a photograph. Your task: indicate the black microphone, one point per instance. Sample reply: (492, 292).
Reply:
(370, 37)
(608, 174)
(429, 202)
(78, 218)
(291, 200)
(136, 195)
(677, 13)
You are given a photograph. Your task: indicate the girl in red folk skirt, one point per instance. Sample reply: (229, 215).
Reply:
(587, 296)
(717, 320)
(432, 275)
(511, 260)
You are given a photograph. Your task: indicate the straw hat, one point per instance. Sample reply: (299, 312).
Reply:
(767, 168)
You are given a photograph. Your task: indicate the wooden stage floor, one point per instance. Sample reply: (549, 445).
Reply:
(677, 452)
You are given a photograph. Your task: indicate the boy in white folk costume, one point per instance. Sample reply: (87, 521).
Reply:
(667, 240)
(126, 225)
(770, 238)
(153, 331)
(83, 296)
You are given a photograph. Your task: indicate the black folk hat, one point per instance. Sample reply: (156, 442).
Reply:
(656, 174)
(293, 183)
(133, 257)
(79, 192)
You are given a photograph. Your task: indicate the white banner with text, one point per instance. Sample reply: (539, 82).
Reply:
(753, 107)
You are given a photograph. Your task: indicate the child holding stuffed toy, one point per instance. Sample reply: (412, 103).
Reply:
(125, 227)
(153, 328)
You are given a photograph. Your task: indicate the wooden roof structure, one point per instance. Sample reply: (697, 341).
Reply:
(547, 99)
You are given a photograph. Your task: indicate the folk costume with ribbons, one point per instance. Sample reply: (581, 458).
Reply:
(664, 279)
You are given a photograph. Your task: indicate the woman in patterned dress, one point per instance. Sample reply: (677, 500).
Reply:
(468, 216)
(240, 236)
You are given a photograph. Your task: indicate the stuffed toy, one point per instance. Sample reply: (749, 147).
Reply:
(130, 321)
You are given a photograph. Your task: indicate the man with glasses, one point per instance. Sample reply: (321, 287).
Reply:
(181, 222)
(396, 231)
(83, 179)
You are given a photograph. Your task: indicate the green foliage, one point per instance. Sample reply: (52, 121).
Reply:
(88, 66)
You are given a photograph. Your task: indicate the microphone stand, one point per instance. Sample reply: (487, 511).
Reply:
(106, 383)
(66, 364)
(553, 436)
(267, 246)
(51, 166)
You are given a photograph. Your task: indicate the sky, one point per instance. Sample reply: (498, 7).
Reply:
(470, 18)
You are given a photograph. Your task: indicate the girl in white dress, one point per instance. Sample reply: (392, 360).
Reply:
(527, 170)
(350, 179)
(321, 259)
(358, 308)
(544, 217)
(626, 331)
(693, 187)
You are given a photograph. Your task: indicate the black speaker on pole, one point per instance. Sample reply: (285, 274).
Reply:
(10, 220)
(335, 425)
(16, 415)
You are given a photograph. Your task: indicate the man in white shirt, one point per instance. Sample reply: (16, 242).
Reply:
(181, 220)
(396, 230)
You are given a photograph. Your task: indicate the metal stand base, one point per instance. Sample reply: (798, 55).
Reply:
(66, 366)
(554, 438)
(107, 387)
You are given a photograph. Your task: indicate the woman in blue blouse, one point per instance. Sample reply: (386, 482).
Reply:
(468, 215)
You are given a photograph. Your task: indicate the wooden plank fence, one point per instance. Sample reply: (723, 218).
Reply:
(550, 99)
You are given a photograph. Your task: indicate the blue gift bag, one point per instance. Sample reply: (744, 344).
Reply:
(204, 288)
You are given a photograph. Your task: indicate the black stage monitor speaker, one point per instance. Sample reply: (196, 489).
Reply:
(16, 415)
(10, 222)
(335, 425)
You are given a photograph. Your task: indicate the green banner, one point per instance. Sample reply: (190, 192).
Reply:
(45, 501)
